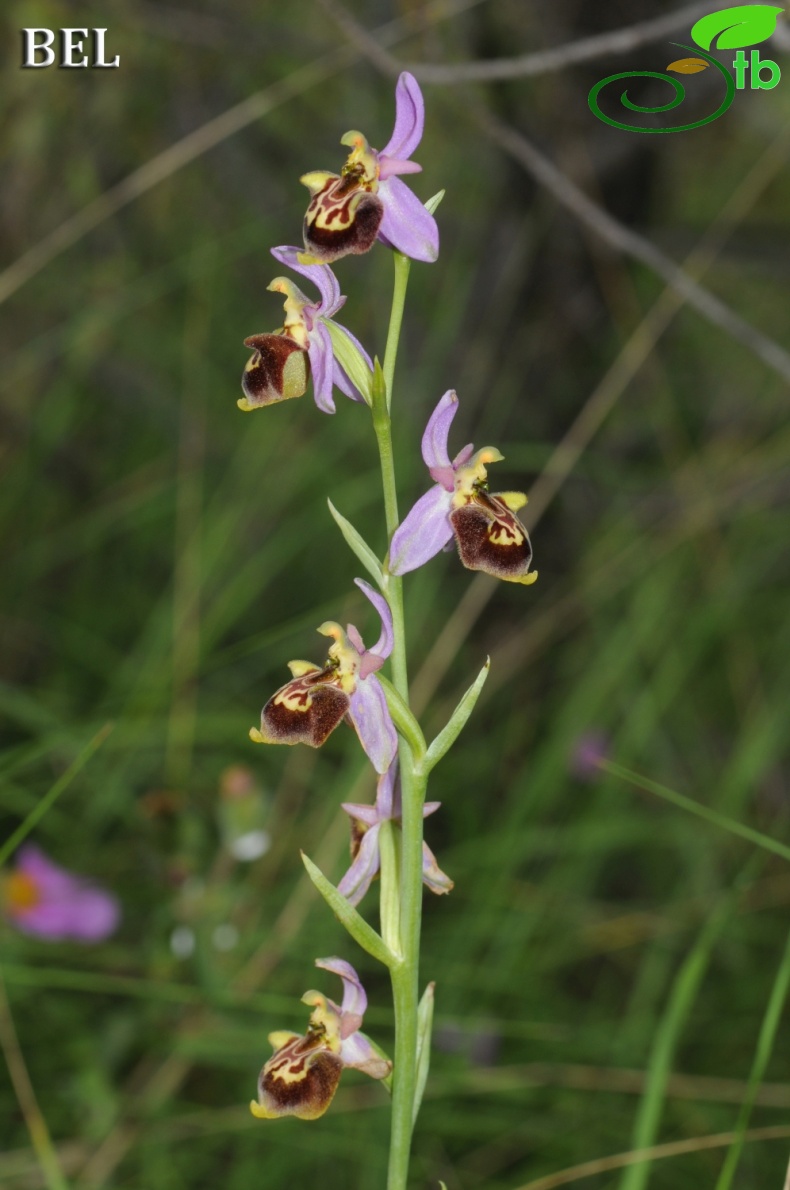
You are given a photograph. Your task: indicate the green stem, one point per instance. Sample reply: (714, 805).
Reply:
(405, 978)
(402, 267)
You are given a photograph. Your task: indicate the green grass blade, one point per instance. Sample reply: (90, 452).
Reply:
(686, 803)
(681, 1000)
(765, 1045)
(49, 799)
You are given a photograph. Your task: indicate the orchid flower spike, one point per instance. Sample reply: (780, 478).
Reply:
(365, 828)
(301, 1077)
(284, 360)
(40, 898)
(307, 709)
(489, 535)
(367, 201)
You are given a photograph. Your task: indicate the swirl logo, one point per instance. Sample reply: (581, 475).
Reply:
(729, 28)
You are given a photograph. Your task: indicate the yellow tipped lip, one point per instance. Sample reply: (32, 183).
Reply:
(261, 1113)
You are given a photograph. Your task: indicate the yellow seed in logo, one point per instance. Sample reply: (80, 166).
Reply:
(688, 65)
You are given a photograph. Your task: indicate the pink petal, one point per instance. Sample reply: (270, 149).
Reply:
(390, 166)
(464, 455)
(409, 118)
(424, 532)
(367, 814)
(406, 224)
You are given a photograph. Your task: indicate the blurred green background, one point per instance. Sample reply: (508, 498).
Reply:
(601, 975)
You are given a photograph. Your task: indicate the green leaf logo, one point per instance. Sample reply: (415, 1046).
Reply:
(746, 24)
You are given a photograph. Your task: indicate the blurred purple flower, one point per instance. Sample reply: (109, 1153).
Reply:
(588, 749)
(307, 709)
(301, 1077)
(365, 827)
(45, 900)
(367, 201)
(488, 534)
(278, 369)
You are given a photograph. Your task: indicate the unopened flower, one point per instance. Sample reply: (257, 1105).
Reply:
(38, 897)
(365, 828)
(489, 535)
(307, 709)
(301, 1077)
(285, 359)
(367, 201)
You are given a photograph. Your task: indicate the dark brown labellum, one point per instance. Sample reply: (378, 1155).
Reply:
(341, 221)
(300, 1079)
(305, 710)
(277, 371)
(491, 538)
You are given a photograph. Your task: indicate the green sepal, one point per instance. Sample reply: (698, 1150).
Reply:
(424, 1030)
(457, 721)
(404, 721)
(433, 203)
(357, 544)
(347, 915)
(351, 361)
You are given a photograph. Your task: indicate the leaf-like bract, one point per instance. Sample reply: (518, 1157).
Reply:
(734, 28)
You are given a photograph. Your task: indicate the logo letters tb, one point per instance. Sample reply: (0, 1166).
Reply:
(755, 68)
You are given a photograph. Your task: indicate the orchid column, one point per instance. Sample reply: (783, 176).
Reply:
(348, 213)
